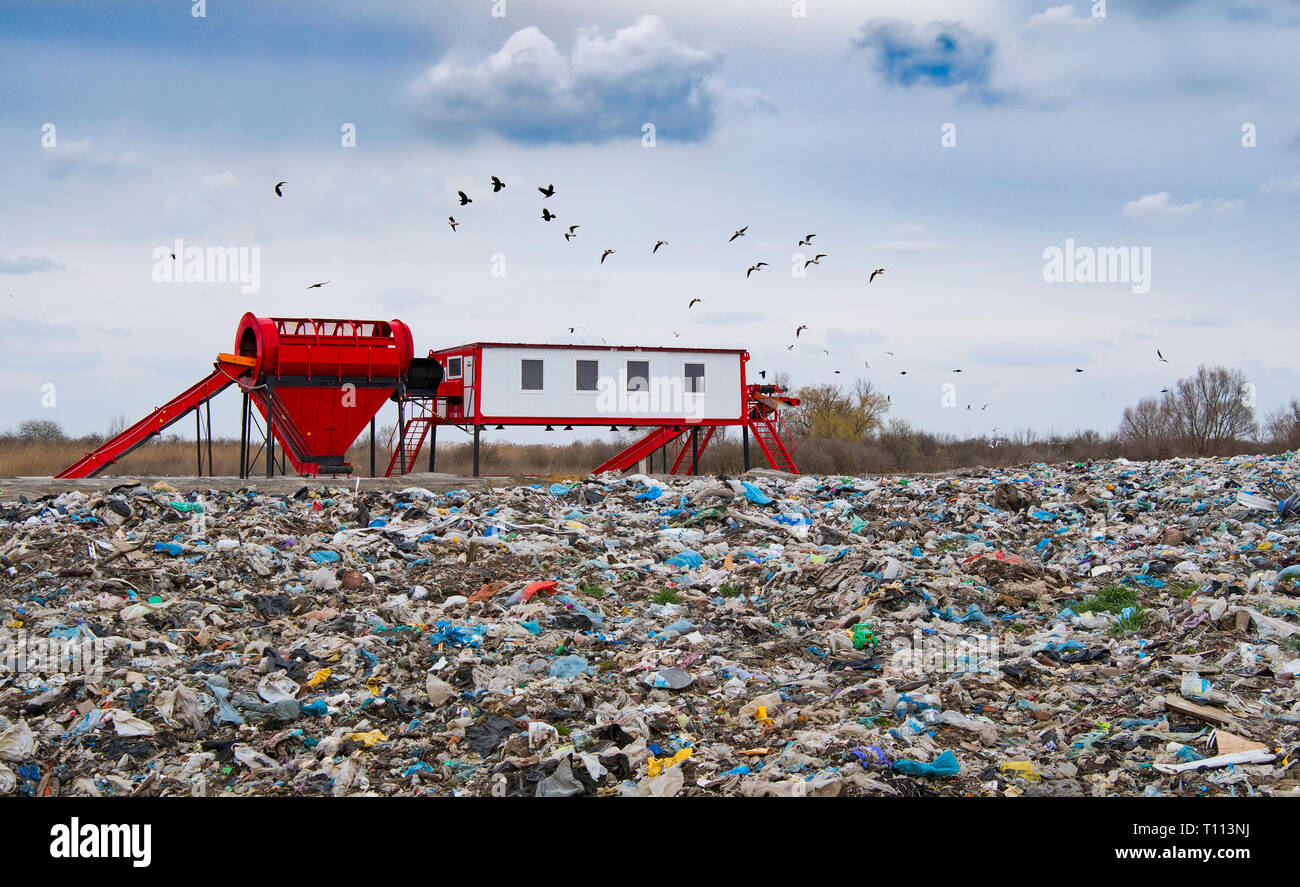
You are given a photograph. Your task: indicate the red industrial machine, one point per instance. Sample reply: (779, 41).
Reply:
(315, 383)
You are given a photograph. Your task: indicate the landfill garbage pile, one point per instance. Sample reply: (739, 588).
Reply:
(1095, 629)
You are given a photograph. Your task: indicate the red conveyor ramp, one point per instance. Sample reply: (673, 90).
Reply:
(222, 376)
(639, 450)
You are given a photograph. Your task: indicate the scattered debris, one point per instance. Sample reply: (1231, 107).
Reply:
(1101, 628)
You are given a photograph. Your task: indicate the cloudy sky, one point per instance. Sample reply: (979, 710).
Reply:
(952, 143)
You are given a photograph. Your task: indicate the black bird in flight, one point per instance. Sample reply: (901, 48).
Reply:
(956, 371)
(807, 241)
(571, 233)
(692, 303)
(902, 372)
(1077, 370)
(752, 268)
(815, 260)
(739, 233)
(277, 188)
(606, 254)
(658, 243)
(315, 285)
(799, 330)
(547, 191)
(1161, 356)
(463, 199)
(762, 374)
(547, 215)
(874, 273)
(451, 220)
(497, 184)
(790, 347)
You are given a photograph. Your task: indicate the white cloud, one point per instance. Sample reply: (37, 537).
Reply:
(1281, 186)
(71, 157)
(909, 229)
(29, 265)
(220, 181)
(910, 246)
(1162, 206)
(1224, 207)
(1060, 16)
(605, 88)
(1153, 206)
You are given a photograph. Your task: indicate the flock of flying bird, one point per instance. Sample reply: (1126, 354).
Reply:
(548, 191)
(547, 216)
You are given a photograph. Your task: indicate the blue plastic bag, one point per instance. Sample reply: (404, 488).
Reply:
(688, 560)
(944, 765)
(568, 667)
(754, 494)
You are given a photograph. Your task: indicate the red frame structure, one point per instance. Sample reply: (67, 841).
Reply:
(316, 382)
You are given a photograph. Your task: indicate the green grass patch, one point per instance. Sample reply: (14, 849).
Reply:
(1110, 599)
(1132, 622)
(591, 589)
(730, 589)
(667, 596)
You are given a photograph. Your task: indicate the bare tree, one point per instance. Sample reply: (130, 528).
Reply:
(1203, 415)
(1282, 426)
(1210, 410)
(1146, 429)
(40, 429)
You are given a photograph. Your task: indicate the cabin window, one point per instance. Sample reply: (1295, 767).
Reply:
(588, 375)
(530, 375)
(453, 367)
(694, 376)
(638, 375)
